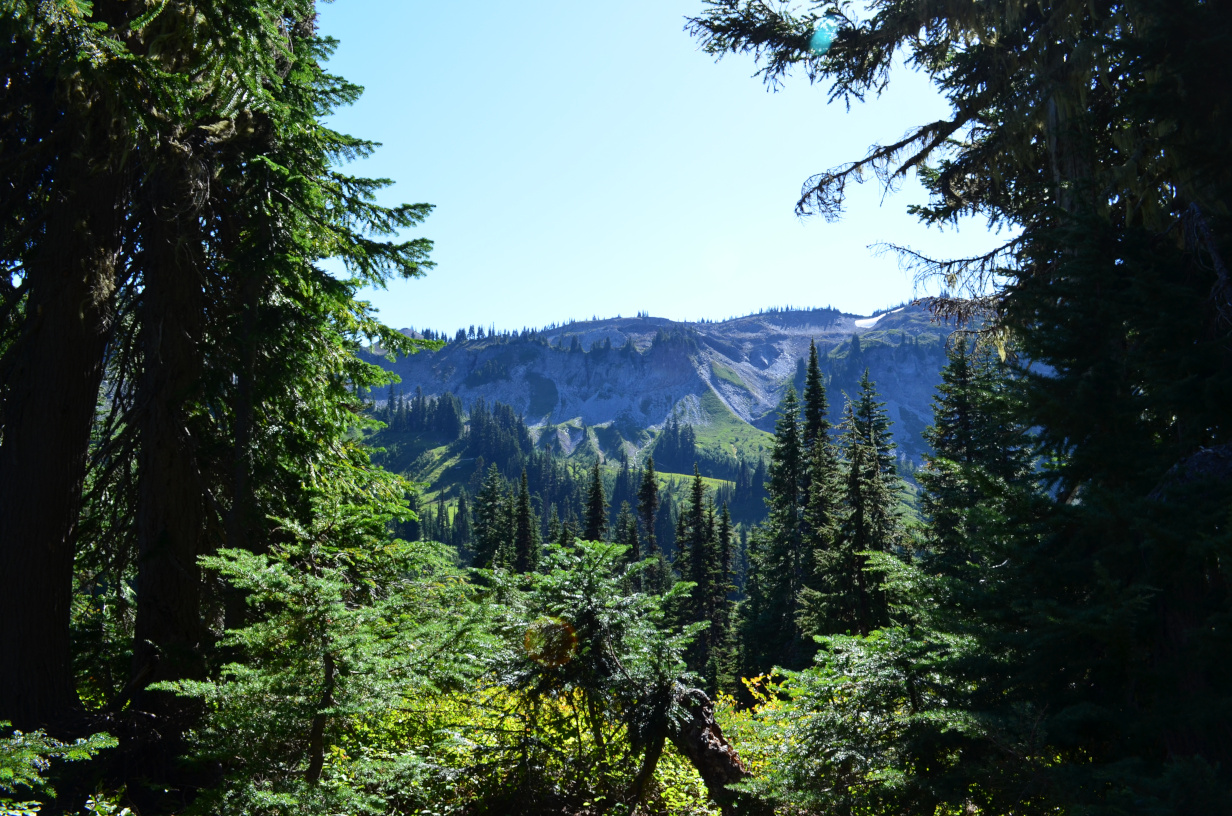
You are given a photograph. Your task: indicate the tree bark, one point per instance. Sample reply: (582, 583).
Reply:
(50, 384)
(316, 733)
(172, 514)
(702, 742)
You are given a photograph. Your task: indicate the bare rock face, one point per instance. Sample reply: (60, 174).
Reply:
(634, 373)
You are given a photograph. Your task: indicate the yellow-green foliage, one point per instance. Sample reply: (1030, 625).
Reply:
(726, 374)
(678, 789)
(469, 730)
(746, 728)
(674, 482)
(726, 433)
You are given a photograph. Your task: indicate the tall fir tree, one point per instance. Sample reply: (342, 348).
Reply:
(820, 493)
(596, 508)
(721, 662)
(658, 575)
(463, 535)
(554, 525)
(816, 407)
(492, 531)
(869, 521)
(1106, 603)
(626, 536)
(525, 532)
(771, 634)
(697, 562)
(980, 454)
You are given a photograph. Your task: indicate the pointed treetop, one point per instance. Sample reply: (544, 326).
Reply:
(815, 405)
(596, 508)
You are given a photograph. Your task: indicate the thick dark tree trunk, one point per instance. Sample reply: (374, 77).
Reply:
(239, 521)
(50, 383)
(172, 515)
(701, 741)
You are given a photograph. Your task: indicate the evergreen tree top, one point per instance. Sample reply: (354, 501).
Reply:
(816, 407)
(596, 508)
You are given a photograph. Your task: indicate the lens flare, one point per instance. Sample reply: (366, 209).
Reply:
(823, 36)
(550, 642)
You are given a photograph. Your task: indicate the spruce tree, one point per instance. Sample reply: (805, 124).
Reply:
(980, 454)
(778, 557)
(816, 408)
(596, 508)
(626, 536)
(569, 529)
(869, 521)
(820, 493)
(759, 648)
(492, 531)
(870, 422)
(189, 137)
(658, 576)
(554, 526)
(721, 662)
(1103, 602)
(463, 535)
(697, 562)
(526, 532)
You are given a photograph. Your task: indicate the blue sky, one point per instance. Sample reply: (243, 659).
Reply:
(587, 159)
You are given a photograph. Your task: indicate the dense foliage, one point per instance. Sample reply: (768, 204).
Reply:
(1081, 614)
(215, 601)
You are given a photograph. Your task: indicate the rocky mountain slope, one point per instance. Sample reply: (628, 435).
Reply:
(617, 380)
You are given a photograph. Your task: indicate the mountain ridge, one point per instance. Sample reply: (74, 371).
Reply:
(632, 374)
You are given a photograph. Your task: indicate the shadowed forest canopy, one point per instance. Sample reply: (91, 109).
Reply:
(207, 600)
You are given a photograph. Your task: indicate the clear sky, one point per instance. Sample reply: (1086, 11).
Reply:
(585, 158)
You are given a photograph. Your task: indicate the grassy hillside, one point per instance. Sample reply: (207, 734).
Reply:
(726, 435)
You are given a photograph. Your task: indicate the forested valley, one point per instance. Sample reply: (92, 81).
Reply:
(245, 569)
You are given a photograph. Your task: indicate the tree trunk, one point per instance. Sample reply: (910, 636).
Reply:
(240, 516)
(316, 733)
(51, 379)
(701, 741)
(172, 515)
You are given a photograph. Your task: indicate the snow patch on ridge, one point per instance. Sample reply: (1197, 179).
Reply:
(869, 322)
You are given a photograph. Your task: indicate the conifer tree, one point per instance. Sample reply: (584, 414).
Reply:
(462, 533)
(596, 508)
(492, 531)
(820, 493)
(697, 535)
(569, 529)
(778, 557)
(682, 562)
(659, 574)
(816, 408)
(215, 315)
(721, 662)
(979, 454)
(697, 562)
(526, 532)
(1115, 286)
(870, 422)
(554, 526)
(626, 536)
(759, 647)
(870, 517)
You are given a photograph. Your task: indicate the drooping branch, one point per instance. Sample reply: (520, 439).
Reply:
(824, 193)
(1197, 237)
(969, 277)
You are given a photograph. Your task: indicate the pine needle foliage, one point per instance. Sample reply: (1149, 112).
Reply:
(588, 681)
(346, 627)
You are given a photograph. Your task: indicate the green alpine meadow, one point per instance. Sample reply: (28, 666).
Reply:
(266, 553)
